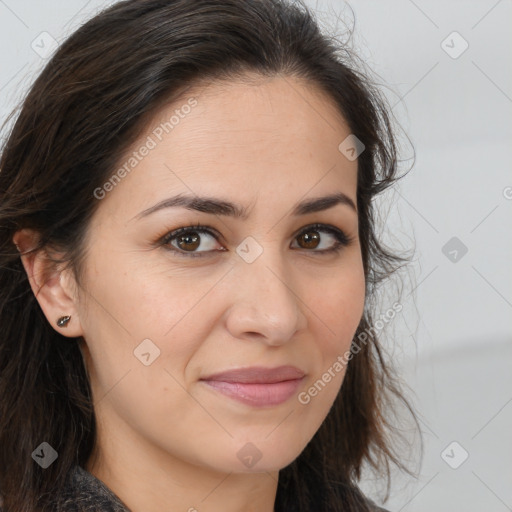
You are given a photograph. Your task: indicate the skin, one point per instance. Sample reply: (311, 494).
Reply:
(165, 440)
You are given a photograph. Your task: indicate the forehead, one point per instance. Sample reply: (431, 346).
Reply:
(277, 136)
(272, 110)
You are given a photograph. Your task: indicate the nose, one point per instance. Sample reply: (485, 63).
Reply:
(265, 306)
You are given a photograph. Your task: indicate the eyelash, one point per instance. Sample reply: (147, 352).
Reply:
(343, 240)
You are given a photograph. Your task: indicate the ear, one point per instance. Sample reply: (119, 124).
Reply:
(54, 289)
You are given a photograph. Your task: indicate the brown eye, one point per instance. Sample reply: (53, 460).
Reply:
(322, 239)
(189, 241)
(310, 239)
(202, 241)
(192, 241)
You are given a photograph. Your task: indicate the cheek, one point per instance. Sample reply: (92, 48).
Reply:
(148, 314)
(142, 335)
(339, 304)
(338, 308)
(144, 295)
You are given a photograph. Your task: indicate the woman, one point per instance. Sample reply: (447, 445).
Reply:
(188, 263)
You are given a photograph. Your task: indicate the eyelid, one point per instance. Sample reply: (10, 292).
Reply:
(166, 239)
(342, 238)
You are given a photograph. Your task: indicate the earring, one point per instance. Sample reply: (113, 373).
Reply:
(63, 321)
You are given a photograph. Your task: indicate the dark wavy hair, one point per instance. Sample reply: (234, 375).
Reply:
(90, 103)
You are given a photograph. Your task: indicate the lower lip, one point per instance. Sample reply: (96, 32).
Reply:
(258, 395)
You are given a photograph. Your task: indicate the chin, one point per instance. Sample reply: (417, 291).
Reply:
(261, 454)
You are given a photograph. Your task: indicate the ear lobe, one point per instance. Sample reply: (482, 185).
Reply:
(49, 284)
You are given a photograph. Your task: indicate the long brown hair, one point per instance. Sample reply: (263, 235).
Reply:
(86, 108)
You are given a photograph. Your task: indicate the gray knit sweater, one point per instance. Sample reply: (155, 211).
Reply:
(86, 493)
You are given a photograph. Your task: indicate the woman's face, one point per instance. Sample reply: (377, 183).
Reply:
(159, 317)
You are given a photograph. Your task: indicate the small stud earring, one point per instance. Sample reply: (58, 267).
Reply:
(63, 321)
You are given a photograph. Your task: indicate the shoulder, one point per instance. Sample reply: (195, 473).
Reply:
(85, 493)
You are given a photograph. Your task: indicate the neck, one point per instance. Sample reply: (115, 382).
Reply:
(147, 480)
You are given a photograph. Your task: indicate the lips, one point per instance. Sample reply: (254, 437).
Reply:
(257, 386)
(258, 375)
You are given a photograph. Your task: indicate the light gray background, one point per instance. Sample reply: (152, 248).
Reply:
(453, 340)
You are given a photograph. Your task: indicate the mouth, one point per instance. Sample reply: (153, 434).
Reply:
(257, 386)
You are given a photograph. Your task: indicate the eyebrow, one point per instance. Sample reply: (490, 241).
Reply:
(216, 206)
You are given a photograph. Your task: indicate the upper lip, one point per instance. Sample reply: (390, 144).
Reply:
(258, 375)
